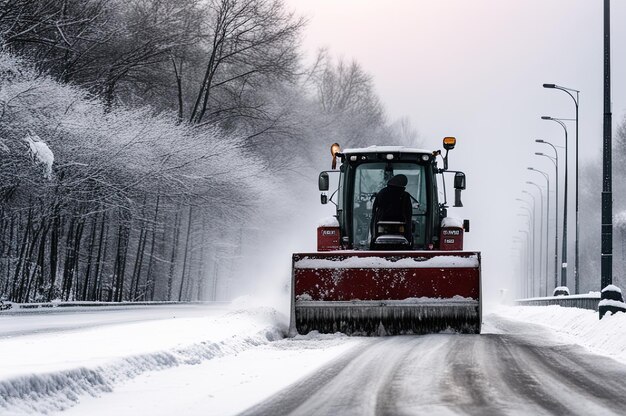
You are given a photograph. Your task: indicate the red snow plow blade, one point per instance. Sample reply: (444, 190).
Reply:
(386, 293)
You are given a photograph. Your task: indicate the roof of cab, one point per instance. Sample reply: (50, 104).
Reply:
(386, 149)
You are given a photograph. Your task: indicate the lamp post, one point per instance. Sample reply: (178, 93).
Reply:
(554, 160)
(564, 241)
(531, 248)
(527, 259)
(606, 265)
(569, 92)
(545, 175)
(529, 274)
(540, 230)
(533, 210)
(523, 266)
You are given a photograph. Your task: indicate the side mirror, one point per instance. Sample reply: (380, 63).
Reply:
(459, 185)
(459, 180)
(324, 199)
(457, 198)
(323, 182)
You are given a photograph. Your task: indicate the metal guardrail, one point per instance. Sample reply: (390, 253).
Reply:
(589, 301)
(9, 306)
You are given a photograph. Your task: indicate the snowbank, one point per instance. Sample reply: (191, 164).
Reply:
(581, 326)
(44, 373)
(222, 386)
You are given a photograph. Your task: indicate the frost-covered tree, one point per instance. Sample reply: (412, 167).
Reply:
(129, 190)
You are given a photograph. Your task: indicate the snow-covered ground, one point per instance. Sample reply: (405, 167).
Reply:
(219, 359)
(575, 326)
(225, 385)
(52, 360)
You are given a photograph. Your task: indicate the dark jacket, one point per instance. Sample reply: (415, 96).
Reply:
(393, 203)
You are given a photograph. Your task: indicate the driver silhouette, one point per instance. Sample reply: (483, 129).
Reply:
(393, 203)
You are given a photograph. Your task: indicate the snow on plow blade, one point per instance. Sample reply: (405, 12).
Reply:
(386, 293)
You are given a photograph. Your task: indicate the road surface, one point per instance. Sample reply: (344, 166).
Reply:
(207, 360)
(516, 370)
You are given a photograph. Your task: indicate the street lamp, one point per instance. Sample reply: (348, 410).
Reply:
(531, 247)
(540, 231)
(523, 266)
(533, 210)
(529, 274)
(564, 241)
(526, 259)
(569, 92)
(555, 161)
(545, 175)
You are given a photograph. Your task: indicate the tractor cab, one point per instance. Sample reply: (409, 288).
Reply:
(364, 172)
(363, 175)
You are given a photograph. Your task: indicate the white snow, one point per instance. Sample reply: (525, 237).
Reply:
(452, 222)
(386, 149)
(40, 152)
(591, 294)
(561, 288)
(612, 288)
(174, 359)
(222, 386)
(328, 222)
(426, 301)
(576, 326)
(610, 302)
(48, 371)
(383, 263)
(220, 361)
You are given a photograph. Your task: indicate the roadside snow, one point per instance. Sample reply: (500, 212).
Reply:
(42, 373)
(222, 386)
(157, 360)
(581, 326)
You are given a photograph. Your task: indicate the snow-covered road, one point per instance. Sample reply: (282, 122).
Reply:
(227, 360)
(516, 370)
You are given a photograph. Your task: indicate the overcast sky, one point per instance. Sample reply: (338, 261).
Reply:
(475, 69)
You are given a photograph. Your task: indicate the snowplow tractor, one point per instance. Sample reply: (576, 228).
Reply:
(390, 261)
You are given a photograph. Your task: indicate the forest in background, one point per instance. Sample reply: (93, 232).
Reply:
(174, 126)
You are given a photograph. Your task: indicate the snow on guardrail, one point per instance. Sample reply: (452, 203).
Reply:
(584, 301)
(24, 307)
